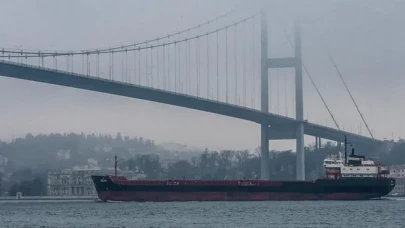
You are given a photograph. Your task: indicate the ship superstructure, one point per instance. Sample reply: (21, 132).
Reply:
(353, 166)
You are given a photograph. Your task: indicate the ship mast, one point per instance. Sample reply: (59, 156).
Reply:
(115, 165)
(345, 150)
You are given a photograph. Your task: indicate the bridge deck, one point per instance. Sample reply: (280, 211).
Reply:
(278, 123)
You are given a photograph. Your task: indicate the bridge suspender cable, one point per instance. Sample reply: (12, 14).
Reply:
(347, 88)
(313, 83)
(320, 95)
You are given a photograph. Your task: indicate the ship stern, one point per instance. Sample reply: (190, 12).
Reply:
(386, 186)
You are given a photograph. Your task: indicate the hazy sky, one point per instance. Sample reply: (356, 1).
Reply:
(366, 38)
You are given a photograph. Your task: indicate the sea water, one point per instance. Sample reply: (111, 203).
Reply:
(314, 214)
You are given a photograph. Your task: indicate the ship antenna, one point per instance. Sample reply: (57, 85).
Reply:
(115, 165)
(345, 150)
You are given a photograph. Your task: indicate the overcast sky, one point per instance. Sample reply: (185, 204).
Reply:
(366, 39)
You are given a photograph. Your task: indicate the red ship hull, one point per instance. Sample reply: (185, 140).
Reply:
(120, 189)
(223, 196)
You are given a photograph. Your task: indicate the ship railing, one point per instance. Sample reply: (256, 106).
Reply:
(246, 183)
(200, 182)
(364, 165)
(172, 183)
(332, 171)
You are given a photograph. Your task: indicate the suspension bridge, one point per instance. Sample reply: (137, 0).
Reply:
(221, 70)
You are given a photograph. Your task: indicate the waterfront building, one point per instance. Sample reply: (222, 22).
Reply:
(78, 182)
(398, 172)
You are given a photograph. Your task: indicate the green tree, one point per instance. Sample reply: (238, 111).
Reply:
(181, 169)
(149, 164)
(1, 183)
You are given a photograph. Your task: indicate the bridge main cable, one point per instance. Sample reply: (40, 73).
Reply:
(348, 91)
(37, 55)
(95, 51)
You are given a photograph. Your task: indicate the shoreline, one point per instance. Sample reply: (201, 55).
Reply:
(14, 198)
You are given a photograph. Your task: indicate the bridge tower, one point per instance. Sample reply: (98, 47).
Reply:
(264, 128)
(297, 131)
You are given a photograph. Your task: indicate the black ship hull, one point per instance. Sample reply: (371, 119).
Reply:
(321, 189)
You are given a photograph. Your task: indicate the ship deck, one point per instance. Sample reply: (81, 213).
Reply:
(245, 182)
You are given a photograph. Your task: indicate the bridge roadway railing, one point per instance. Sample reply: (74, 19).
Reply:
(259, 117)
(281, 127)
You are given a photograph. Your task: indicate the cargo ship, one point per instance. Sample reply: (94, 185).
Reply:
(346, 178)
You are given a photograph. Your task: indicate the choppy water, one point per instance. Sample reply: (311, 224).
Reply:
(325, 214)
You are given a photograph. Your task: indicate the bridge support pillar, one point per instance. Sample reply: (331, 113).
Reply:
(264, 148)
(316, 143)
(299, 105)
(264, 153)
(300, 159)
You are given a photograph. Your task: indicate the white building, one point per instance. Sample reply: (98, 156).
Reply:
(78, 182)
(398, 172)
(3, 163)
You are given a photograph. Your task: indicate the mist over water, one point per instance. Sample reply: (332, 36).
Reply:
(322, 214)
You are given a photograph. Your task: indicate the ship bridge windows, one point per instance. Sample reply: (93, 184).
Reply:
(332, 162)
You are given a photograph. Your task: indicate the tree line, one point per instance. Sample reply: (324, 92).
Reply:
(43, 151)
(242, 164)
